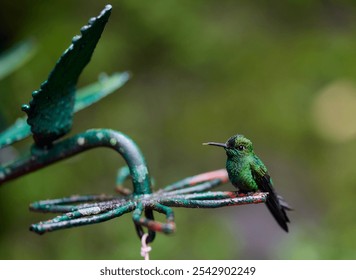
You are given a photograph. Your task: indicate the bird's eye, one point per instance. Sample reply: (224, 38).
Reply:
(241, 147)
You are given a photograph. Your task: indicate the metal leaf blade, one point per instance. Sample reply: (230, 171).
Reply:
(85, 97)
(94, 92)
(15, 57)
(50, 112)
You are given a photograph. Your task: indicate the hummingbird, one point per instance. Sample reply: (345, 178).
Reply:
(248, 174)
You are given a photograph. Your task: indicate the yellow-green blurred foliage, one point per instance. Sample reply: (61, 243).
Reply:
(283, 73)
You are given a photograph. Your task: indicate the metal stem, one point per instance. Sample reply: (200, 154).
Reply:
(42, 157)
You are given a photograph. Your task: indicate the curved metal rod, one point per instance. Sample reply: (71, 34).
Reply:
(42, 157)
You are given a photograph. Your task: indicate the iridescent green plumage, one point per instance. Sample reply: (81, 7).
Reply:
(248, 173)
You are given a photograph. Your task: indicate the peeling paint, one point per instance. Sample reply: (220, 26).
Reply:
(141, 172)
(81, 141)
(100, 135)
(113, 141)
(89, 211)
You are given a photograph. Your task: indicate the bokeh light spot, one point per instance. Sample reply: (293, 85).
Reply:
(334, 111)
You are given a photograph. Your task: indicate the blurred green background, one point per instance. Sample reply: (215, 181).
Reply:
(283, 73)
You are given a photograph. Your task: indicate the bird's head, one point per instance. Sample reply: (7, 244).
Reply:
(235, 146)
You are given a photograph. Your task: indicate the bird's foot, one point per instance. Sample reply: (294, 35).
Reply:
(242, 194)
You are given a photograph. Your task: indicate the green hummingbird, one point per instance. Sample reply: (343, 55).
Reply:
(248, 173)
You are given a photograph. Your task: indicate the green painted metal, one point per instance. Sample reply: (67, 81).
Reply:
(50, 117)
(84, 97)
(93, 93)
(42, 157)
(15, 57)
(191, 192)
(50, 112)
(17, 132)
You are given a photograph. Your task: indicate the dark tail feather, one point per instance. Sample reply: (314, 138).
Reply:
(275, 203)
(277, 206)
(283, 203)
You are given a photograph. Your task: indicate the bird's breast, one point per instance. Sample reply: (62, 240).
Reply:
(239, 175)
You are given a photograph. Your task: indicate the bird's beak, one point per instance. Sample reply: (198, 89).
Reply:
(215, 144)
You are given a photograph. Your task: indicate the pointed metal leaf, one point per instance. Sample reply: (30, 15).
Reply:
(15, 57)
(84, 97)
(50, 112)
(93, 93)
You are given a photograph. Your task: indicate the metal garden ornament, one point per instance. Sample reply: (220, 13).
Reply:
(49, 120)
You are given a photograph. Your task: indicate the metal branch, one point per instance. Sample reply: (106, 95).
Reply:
(42, 157)
(80, 219)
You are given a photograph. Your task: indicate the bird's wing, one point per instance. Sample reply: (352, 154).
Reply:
(276, 205)
(50, 112)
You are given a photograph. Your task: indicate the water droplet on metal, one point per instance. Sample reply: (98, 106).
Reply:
(25, 108)
(76, 38)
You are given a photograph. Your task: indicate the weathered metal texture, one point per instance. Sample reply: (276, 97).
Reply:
(85, 97)
(42, 157)
(50, 112)
(50, 117)
(192, 192)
